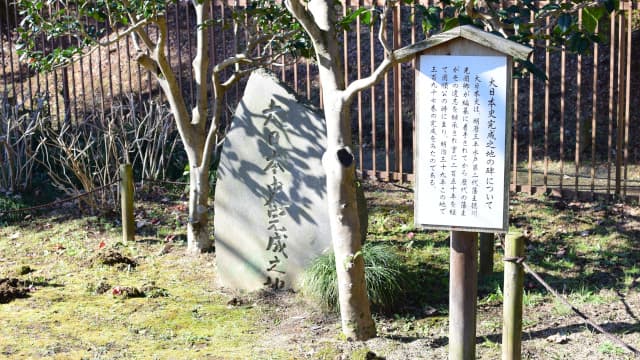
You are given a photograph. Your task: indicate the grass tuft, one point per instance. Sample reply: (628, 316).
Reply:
(385, 277)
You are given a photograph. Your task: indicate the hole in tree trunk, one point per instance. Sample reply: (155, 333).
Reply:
(345, 157)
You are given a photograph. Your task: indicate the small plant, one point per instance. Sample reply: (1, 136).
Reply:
(560, 308)
(150, 135)
(609, 348)
(494, 297)
(385, 277)
(631, 276)
(527, 323)
(584, 295)
(530, 299)
(8, 203)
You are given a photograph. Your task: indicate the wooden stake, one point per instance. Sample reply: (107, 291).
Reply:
(126, 202)
(512, 307)
(463, 289)
(486, 254)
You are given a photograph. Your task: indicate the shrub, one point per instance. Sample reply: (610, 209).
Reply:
(385, 277)
(8, 203)
(84, 155)
(18, 141)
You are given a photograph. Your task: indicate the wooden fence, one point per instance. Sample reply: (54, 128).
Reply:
(575, 134)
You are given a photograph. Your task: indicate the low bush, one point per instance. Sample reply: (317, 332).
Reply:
(385, 275)
(7, 204)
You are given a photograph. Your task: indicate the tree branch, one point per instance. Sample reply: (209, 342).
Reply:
(305, 18)
(200, 63)
(489, 20)
(166, 79)
(231, 61)
(361, 84)
(382, 33)
(146, 40)
(213, 135)
(148, 63)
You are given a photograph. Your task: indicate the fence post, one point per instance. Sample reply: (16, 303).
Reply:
(486, 254)
(513, 289)
(126, 202)
(463, 290)
(620, 131)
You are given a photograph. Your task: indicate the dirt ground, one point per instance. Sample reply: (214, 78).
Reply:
(550, 329)
(554, 336)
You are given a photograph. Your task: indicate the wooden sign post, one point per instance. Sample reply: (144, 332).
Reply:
(463, 128)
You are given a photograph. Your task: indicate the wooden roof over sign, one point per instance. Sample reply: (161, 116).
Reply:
(471, 33)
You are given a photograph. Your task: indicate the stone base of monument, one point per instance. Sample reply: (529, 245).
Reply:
(271, 216)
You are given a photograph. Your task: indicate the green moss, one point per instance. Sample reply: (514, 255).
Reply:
(362, 353)
(328, 352)
(66, 318)
(61, 319)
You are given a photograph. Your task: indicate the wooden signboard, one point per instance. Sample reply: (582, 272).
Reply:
(462, 148)
(463, 122)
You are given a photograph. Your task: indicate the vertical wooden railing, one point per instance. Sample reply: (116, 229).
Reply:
(574, 132)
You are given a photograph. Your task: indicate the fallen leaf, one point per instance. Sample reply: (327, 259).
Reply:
(58, 247)
(15, 235)
(102, 244)
(179, 207)
(169, 238)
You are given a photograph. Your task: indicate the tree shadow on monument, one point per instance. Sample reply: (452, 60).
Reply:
(271, 217)
(295, 161)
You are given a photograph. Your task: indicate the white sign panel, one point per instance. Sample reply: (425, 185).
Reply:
(461, 142)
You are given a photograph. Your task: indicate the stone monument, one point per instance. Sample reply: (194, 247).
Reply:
(271, 214)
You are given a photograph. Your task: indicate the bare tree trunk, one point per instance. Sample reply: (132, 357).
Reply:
(318, 20)
(344, 219)
(198, 238)
(192, 128)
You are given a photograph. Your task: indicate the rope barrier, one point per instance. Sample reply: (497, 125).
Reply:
(166, 182)
(57, 202)
(65, 200)
(517, 260)
(585, 318)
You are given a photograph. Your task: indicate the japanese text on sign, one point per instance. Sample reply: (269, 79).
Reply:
(276, 209)
(461, 141)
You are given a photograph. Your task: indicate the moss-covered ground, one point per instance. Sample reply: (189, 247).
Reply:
(163, 304)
